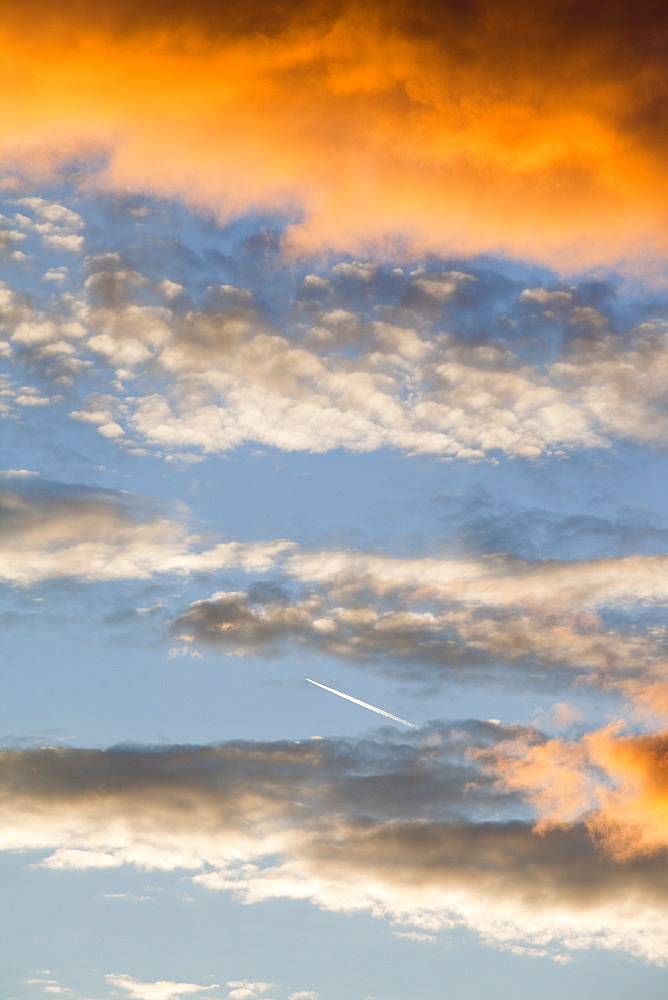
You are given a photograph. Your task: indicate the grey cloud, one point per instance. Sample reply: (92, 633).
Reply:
(321, 775)
(405, 830)
(229, 619)
(450, 641)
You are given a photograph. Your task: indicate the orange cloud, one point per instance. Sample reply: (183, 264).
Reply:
(617, 784)
(534, 131)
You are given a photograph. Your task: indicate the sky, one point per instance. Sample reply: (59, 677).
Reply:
(334, 349)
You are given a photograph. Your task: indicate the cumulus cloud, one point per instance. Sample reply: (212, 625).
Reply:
(237, 378)
(57, 226)
(500, 109)
(329, 374)
(393, 828)
(161, 990)
(244, 989)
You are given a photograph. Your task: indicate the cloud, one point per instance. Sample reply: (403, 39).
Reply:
(497, 580)
(377, 826)
(618, 785)
(56, 225)
(422, 617)
(375, 366)
(161, 990)
(90, 535)
(486, 523)
(244, 989)
(453, 127)
(238, 378)
(458, 637)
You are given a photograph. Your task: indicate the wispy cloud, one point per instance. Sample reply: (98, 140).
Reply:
(107, 535)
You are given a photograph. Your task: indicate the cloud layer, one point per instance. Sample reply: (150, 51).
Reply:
(475, 128)
(427, 619)
(466, 619)
(411, 831)
(429, 360)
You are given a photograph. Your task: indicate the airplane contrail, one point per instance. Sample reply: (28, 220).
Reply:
(364, 704)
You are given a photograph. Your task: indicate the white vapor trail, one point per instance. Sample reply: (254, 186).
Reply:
(364, 704)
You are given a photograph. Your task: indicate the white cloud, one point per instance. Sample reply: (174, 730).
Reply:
(415, 936)
(401, 380)
(360, 270)
(50, 211)
(438, 286)
(69, 242)
(162, 990)
(544, 297)
(91, 535)
(496, 580)
(244, 989)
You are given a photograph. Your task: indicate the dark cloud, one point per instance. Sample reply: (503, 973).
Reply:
(404, 829)
(429, 774)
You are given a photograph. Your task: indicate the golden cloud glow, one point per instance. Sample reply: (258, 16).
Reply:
(500, 127)
(618, 784)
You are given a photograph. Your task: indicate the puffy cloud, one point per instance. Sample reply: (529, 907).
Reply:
(57, 226)
(105, 535)
(319, 376)
(620, 384)
(467, 128)
(452, 634)
(386, 827)
(51, 213)
(161, 990)
(244, 989)
(238, 379)
(617, 783)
